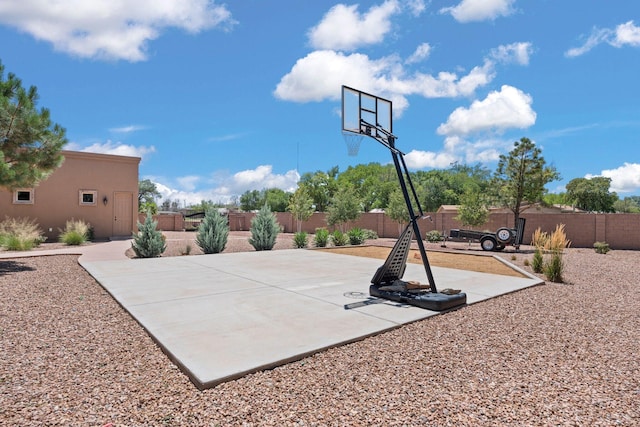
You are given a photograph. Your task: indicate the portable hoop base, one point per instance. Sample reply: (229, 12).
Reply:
(423, 298)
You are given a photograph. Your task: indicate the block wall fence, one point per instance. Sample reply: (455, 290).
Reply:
(620, 231)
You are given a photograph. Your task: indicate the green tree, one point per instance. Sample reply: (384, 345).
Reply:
(277, 199)
(213, 232)
(321, 186)
(345, 207)
(251, 200)
(591, 194)
(264, 230)
(148, 242)
(301, 207)
(551, 199)
(397, 208)
(372, 183)
(521, 177)
(628, 205)
(147, 195)
(30, 143)
(473, 210)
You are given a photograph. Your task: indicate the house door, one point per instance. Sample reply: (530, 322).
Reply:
(122, 214)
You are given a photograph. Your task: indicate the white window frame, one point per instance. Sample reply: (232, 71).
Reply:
(81, 194)
(17, 201)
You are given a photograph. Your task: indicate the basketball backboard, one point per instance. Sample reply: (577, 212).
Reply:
(366, 114)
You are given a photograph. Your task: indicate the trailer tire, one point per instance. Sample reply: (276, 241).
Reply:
(488, 243)
(504, 235)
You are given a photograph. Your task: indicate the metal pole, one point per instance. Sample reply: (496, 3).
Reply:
(416, 229)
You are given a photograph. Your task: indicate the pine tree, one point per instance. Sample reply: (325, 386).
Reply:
(264, 230)
(148, 242)
(213, 232)
(30, 143)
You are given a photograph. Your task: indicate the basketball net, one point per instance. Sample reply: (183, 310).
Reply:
(353, 141)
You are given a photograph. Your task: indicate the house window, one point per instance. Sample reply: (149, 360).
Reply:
(23, 196)
(88, 197)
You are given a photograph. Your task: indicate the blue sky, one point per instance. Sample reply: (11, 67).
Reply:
(220, 98)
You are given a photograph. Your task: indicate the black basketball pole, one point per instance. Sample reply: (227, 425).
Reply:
(397, 157)
(404, 178)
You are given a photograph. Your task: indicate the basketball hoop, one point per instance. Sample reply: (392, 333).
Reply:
(353, 141)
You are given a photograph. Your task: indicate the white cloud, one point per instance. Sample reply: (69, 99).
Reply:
(225, 187)
(624, 179)
(188, 182)
(508, 108)
(417, 159)
(622, 35)
(107, 29)
(420, 54)
(514, 52)
(320, 74)
(127, 129)
(344, 28)
(110, 147)
(479, 10)
(626, 33)
(416, 6)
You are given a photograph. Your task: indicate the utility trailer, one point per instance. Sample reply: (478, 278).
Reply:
(489, 241)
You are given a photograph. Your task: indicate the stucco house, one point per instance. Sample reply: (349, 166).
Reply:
(101, 189)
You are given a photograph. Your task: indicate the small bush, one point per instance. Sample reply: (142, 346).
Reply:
(601, 247)
(526, 262)
(20, 234)
(148, 242)
(356, 236)
(433, 236)
(300, 240)
(186, 250)
(369, 234)
(264, 230)
(75, 233)
(213, 232)
(537, 261)
(553, 268)
(321, 238)
(338, 238)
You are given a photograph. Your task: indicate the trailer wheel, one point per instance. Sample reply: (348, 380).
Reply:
(504, 235)
(488, 243)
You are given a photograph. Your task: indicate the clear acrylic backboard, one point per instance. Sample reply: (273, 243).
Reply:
(363, 113)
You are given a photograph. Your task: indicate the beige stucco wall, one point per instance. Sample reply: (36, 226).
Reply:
(57, 199)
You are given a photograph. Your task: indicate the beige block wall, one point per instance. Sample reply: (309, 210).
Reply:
(57, 199)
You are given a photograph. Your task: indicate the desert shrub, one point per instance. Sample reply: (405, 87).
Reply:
(552, 245)
(369, 234)
(264, 230)
(300, 240)
(76, 232)
(539, 240)
(148, 242)
(338, 238)
(213, 232)
(556, 244)
(20, 234)
(356, 236)
(433, 236)
(321, 238)
(537, 261)
(601, 247)
(553, 268)
(526, 262)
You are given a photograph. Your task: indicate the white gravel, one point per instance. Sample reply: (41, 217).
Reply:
(557, 354)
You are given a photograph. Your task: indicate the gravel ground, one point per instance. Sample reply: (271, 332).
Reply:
(557, 354)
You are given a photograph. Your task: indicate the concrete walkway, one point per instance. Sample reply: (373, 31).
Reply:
(219, 317)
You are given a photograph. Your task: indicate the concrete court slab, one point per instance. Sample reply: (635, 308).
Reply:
(222, 316)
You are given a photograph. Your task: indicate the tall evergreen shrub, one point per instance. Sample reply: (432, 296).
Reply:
(264, 230)
(213, 232)
(148, 242)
